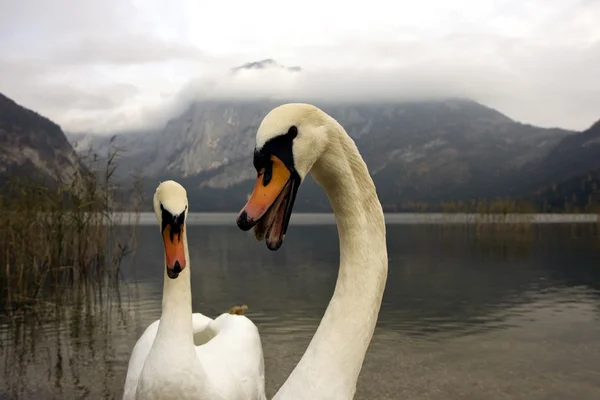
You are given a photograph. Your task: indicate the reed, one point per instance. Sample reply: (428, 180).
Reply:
(64, 233)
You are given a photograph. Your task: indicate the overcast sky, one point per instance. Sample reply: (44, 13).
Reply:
(109, 65)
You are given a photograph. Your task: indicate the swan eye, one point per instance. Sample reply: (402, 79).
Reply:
(279, 146)
(293, 131)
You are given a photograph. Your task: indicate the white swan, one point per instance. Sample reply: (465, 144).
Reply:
(184, 355)
(292, 140)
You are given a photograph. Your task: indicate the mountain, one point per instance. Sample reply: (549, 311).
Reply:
(422, 151)
(32, 145)
(418, 152)
(133, 149)
(569, 176)
(573, 156)
(448, 149)
(264, 64)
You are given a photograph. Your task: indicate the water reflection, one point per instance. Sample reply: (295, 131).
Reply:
(464, 315)
(64, 349)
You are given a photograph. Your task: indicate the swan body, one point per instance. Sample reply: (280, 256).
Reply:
(191, 356)
(293, 140)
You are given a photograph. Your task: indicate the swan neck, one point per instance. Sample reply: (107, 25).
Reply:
(176, 318)
(361, 229)
(344, 176)
(334, 358)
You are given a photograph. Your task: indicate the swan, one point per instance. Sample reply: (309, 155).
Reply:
(293, 140)
(190, 356)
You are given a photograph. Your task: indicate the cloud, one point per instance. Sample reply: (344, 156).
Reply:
(94, 65)
(57, 16)
(132, 64)
(542, 84)
(124, 49)
(65, 97)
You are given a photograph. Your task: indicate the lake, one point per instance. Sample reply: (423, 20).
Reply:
(467, 313)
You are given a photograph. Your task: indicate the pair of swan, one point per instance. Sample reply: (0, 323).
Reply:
(185, 355)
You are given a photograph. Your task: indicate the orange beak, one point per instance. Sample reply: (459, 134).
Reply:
(174, 251)
(266, 190)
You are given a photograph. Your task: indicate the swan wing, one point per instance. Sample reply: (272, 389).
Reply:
(138, 358)
(201, 329)
(229, 349)
(234, 355)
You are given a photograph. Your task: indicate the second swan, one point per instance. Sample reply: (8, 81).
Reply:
(293, 140)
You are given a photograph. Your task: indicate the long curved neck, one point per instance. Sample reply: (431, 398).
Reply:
(176, 319)
(330, 366)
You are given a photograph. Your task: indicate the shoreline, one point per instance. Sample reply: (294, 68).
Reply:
(228, 218)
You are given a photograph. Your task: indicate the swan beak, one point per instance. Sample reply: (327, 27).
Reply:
(174, 251)
(268, 186)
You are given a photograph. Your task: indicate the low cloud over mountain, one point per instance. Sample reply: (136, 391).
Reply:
(125, 65)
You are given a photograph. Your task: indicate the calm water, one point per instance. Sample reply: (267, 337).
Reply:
(499, 316)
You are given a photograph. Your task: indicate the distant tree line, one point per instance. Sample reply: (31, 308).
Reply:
(577, 195)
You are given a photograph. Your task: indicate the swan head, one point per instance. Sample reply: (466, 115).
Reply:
(170, 207)
(290, 139)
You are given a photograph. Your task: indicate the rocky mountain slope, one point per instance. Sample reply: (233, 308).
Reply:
(434, 151)
(32, 145)
(424, 151)
(134, 149)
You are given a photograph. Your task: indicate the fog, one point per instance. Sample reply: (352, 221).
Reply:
(128, 65)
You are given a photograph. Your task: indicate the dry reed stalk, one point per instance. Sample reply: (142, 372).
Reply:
(63, 234)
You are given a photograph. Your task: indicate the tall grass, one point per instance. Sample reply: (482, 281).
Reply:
(64, 232)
